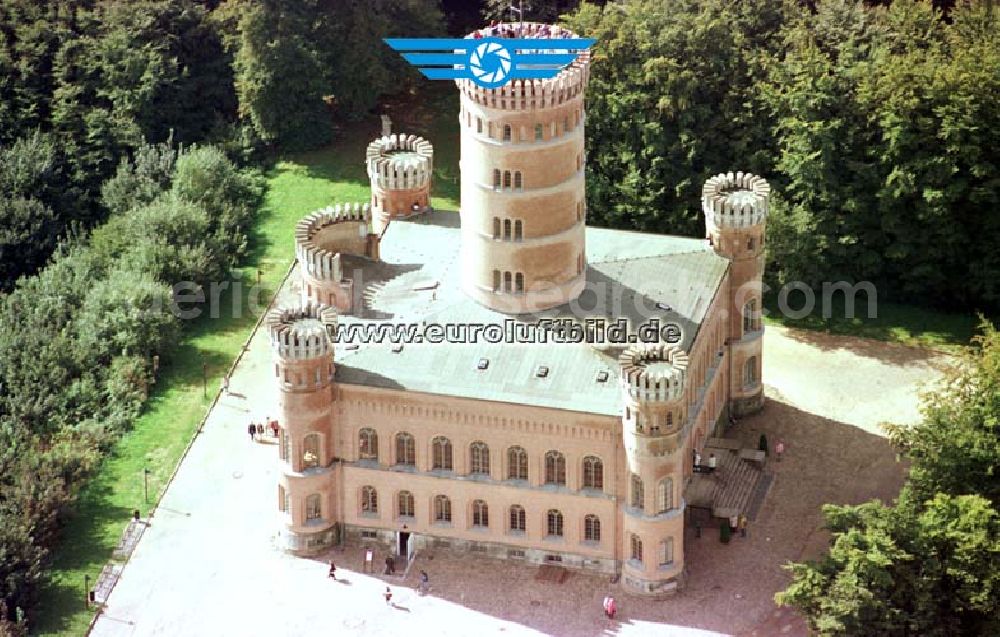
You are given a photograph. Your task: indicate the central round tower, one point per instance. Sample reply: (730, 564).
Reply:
(523, 209)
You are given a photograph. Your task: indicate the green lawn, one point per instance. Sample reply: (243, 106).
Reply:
(893, 322)
(178, 403)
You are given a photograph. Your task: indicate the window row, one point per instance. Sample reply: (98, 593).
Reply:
(442, 513)
(502, 281)
(664, 495)
(442, 458)
(502, 229)
(502, 180)
(298, 379)
(665, 550)
(310, 449)
(506, 132)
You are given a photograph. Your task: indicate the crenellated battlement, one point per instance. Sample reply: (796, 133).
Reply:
(522, 94)
(318, 260)
(735, 200)
(653, 372)
(303, 332)
(400, 162)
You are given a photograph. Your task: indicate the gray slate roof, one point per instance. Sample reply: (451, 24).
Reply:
(639, 270)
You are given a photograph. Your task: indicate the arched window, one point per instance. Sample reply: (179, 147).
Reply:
(593, 473)
(368, 444)
(566, 124)
(479, 124)
(496, 280)
(284, 501)
(441, 454)
(555, 523)
(506, 132)
(496, 179)
(506, 281)
(314, 510)
(666, 551)
(517, 464)
(406, 449)
(664, 495)
(751, 322)
(750, 372)
(506, 179)
(519, 282)
(496, 227)
(506, 229)
(479, 456)
(518, 184)
(369, 499)
(637, 495)
(480, 513)
(517, 518)
(442, 508)
(592, 528)
(518, 230)
(539, 132)
(310, 451)
(636, 552)
(555, 468)
(404, 502)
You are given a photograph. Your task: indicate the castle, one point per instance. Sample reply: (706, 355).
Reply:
(575, 453)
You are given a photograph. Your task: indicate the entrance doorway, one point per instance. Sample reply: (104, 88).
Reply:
(403, 544)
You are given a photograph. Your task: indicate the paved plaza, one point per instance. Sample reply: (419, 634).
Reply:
(209, 563)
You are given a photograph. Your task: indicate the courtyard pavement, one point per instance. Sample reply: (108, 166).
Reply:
(209, 563)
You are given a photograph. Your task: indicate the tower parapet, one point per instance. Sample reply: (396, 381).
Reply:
(654, 374)
(735, 200)
(320, 240)
(400, 168)
(523, 196)
(736, 206)
(303, 332)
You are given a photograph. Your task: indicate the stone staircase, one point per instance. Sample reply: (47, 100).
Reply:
(735, 485)
(729, 489)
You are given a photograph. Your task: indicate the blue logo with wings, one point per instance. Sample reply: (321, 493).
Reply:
(490, 62)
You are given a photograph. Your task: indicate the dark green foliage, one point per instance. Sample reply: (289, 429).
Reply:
(77, 340)
(299, 65)
(930, 564)
(878, 129)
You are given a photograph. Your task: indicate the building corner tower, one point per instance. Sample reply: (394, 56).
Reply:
(736, 208)
(522, 171)
(303, 367)
(653, 429)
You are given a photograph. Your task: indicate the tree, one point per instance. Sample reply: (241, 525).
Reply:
(904, 570)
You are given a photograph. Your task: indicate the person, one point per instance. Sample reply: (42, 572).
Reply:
(742, 523)
(733, 523)
(712, 462)
(390, 565)
(425, 581)
(260, 429)
(333, 570)
(274, 428)
(612, 608)
(697, 459)
(252, 430)
(779, 448)
(387, 595)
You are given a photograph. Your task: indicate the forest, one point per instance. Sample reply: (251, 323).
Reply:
(134, 136)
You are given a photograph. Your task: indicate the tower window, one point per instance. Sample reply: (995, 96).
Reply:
(750, 372)
(496, 227)
(750, 243)
(539, 132)
(636, 501)
(506, 281)
(518, 230)
(506, 132)
(314, 510)
(664, 495)
(506, 179)
(479, 125)
(636, 548)
(496, 280)
(517, 180)
(506, 229)
(519, 282)
(496, 180)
